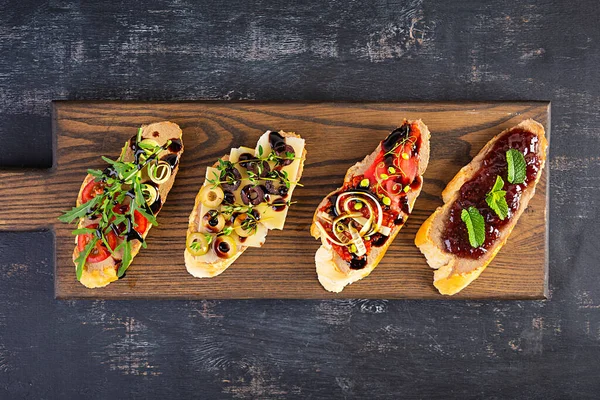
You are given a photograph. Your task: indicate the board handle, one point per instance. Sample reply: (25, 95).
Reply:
(28, 199)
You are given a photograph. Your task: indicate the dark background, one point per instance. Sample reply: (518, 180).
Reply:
(321, 50)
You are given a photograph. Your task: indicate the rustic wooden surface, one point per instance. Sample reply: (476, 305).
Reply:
(337, 136)
(311, 50)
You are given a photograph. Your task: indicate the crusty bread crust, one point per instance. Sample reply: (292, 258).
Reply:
(454, 273)
(201, 269)
(106, 271)
(332, 270)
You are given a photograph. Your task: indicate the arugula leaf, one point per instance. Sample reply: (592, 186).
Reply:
(79, 211)
(80, 260)
(475, 226)
(139, 196)
(83, 231)
(127, 258)
(260, 150)
(496, 199)
(517, 167)
(96, 173)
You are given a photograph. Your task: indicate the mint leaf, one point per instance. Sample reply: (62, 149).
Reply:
(475, 225)
(517, 167)
(496, 199)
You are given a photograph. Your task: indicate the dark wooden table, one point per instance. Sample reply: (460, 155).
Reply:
(260, 50)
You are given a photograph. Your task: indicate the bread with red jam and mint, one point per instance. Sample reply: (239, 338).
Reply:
(482, 205)
(245, 194)
(117, 206)
(357, 222)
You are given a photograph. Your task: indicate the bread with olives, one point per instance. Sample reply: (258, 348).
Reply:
(452, 248)
(245, 194)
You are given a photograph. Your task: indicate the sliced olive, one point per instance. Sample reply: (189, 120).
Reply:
(232, 178)
(211, 197)
(259, 167)
(213, 221)
(229, 197)
(243, 159)
(282, 190)
(197, 244)
(252, 195)
(270, 187)
(225, 246)
(244, 225)
(286, 155)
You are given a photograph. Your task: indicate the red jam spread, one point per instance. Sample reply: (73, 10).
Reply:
(392, 175)
(473, 193)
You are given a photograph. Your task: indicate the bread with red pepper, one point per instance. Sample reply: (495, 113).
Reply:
(448, 237)
(358, 222)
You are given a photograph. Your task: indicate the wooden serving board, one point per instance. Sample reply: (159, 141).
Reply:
(337, 136)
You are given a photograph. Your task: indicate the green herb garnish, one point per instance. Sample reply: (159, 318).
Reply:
(517, 167)
(80, 260)
(475, 226)
(496, 199)
(127, 257)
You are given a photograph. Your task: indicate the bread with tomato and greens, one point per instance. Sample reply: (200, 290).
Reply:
(245, 194)
(358, 222)
(117, 206)
(482, 205)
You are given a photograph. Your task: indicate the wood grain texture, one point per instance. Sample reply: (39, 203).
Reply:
(337, 135)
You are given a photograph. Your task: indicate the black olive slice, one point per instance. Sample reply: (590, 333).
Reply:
(252, 195)
(232, 179)
(283, 153)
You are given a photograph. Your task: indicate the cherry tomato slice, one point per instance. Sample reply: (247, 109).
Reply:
(91, 190)
(99, 252)
(141, 222)
(138, 218)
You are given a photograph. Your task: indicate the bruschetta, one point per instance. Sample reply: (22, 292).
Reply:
(245, 194)
(482, 205)
(357, 222)
(117, 206)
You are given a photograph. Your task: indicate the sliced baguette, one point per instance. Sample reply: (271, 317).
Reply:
(200, 267)
(455, 273)
(100, 274)
(333, 271)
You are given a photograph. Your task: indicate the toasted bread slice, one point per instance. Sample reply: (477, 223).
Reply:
(454, 273)
(333, 271)
(210, 265)
(102, 273)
